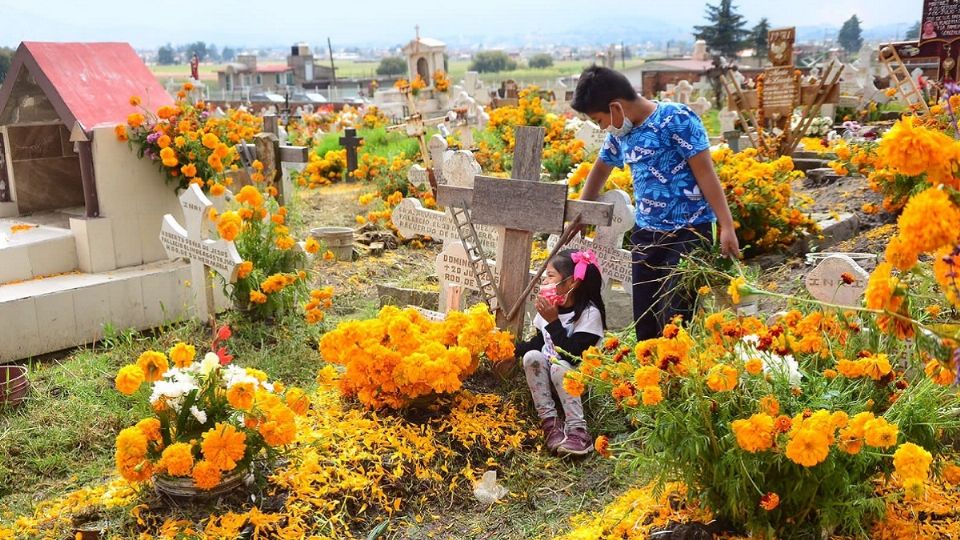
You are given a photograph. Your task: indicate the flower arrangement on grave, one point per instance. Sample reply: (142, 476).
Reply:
(417, 84)
(210, 416)
(441, 83)
(189, 145)
(781, 426)
(766, 212)
(270, 279)
(400, 357)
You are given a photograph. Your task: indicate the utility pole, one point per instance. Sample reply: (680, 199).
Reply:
(623, 56)
(333, 68)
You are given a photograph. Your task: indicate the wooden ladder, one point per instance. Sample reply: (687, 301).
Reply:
(902, 80)
(478, 260)
(747, 118)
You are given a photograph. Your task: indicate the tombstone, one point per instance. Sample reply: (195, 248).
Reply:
(728, 120)
(591, 135)
(701, 106)
(682, 92)
(277, 161)
(826, 283)
(351, 142)
(191, 243)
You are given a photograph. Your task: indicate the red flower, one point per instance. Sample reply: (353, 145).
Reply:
(224, 356)
(223, 333)
(847, 278)
(769, 501)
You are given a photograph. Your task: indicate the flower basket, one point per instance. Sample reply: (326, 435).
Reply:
(183, 489)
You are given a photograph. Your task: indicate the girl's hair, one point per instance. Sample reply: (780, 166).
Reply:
(589, 290)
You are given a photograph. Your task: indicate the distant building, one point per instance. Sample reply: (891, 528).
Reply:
(246, 77)
(424, 56)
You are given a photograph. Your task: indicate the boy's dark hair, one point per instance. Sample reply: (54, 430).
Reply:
(589, 290)
(598, 87)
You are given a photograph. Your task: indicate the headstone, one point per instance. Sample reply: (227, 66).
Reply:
(418, 176)
(701, 106)
(827, 282)
(412, 219)
(683, 91)
(591, 135)
(351, 142)
(728, 120)
(191, 243)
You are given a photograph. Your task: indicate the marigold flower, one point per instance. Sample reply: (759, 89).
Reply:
(209, 140)
(298, 401)
(754, 434)
(250, 196)
(229, 225)
(951, 473)
(573, 383)
(769, 501)
(328, 255)
(153, 364)
(240, 395)
(770, 405)
(205, 475)
(808, 447)
(121, 132)
(879, 433)
(737, 285)
(168, 157)
(129, 378)
(244, 269)
(150, 427)
(182, 354)
(912, 462)
(223, 446)
(647, 376)
(177, 459)
(753, 366)
(135, 120)
(217, 189)
(722, 378)
(258, 297)
(652, 395)
(602, 445)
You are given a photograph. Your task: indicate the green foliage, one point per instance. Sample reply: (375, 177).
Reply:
(6, 58)
(166, 56)
(850, 37)
(913, 32)
(393, 65)
(228, 54)
(726, 29)
(759, 37)
(492, 62)
(540, 61)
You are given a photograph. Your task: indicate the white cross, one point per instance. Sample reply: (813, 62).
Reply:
(191, 243)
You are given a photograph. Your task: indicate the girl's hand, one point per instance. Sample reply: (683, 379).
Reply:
(548, 311)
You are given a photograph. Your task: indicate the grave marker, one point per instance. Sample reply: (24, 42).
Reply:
(591, 135)
(351, 142)
(826, 281)
(272, 155)
(191, 243)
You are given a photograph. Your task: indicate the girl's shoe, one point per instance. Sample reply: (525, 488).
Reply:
(577, 443)
(552, 432)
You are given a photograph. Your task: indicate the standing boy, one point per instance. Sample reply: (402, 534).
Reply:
(678, 195)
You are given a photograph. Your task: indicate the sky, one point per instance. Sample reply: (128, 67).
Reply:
(386, 22)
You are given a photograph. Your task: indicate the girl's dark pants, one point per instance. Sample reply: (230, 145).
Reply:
(656, 296)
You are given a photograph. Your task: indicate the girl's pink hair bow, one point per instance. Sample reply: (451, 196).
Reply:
(581, 260)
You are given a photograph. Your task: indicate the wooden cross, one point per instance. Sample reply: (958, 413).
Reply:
(416, 127)
(268, 150)
(521, 205)
(191, 243)
(351, 142)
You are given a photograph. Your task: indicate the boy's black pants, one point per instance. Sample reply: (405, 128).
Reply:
(656, 296)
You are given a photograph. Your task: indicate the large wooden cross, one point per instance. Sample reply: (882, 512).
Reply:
(272, 155)
(521, 205)
(191, 243)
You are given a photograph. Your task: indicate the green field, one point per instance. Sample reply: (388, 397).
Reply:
(351, 69)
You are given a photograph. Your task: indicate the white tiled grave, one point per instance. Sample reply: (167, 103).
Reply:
(45, 315)
(41, 250)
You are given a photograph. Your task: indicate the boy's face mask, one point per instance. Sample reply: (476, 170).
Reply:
(624, 128)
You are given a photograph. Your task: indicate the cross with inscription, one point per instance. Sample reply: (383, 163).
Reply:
(191, 243)
(351, 142)
(520, 205)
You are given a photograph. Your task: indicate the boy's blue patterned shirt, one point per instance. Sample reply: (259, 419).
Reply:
(666, 192)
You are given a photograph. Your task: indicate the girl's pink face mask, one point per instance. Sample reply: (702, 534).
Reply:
(548, 291)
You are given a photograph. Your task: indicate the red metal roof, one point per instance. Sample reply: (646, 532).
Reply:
(88, 82)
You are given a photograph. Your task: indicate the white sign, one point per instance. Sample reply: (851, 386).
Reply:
(190, 243)
(591, 135)
(838, 279)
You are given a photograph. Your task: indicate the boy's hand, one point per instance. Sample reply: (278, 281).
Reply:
(729, 245)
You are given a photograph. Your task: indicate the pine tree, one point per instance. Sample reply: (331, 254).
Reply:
(726, 32)
(850, 37)
(913, 32)
(759, 36)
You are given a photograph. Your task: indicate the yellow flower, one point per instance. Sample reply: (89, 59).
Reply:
(135, 120)
(223, 446)
(153, 364)
(177, 459)
(647, 376)
(753, 366)
(328, 255)
(311, 246)
(209, 140)
(240, 395)
(879, 433)
(652, 395)
(737, 285)
(129, 379)
(229, 225)
(298, 401)
(808, 447)
(217, 189)
(250, 196)
(912, 462)
(206, 476)
(722, 378)
(258, 297)
(182, 354)
(150, 427)
(244, 269)
(754, 434)
(169, 157)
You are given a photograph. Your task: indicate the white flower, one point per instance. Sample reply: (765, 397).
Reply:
(201, 416)
(234, 374)
(773, 364)
(172, 392)
(209, 362)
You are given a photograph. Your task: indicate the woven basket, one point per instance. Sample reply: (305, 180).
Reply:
(183, 488)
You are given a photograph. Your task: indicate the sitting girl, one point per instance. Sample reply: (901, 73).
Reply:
(570, 318)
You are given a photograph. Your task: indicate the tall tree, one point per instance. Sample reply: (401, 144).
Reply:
(200, 48)
(913, 32)
(726, 31)
(759, 37)
(6, 58)
(165, 55)
(850, 36)
(228, 54)
(213, 53)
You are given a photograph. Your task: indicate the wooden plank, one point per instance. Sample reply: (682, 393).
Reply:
(590, 212)
(518, 204)
(455, 196)
(294, 154)
(527, 152)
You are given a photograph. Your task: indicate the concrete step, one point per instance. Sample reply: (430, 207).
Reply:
(805, 164)
(40, 250)
(821, 176)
